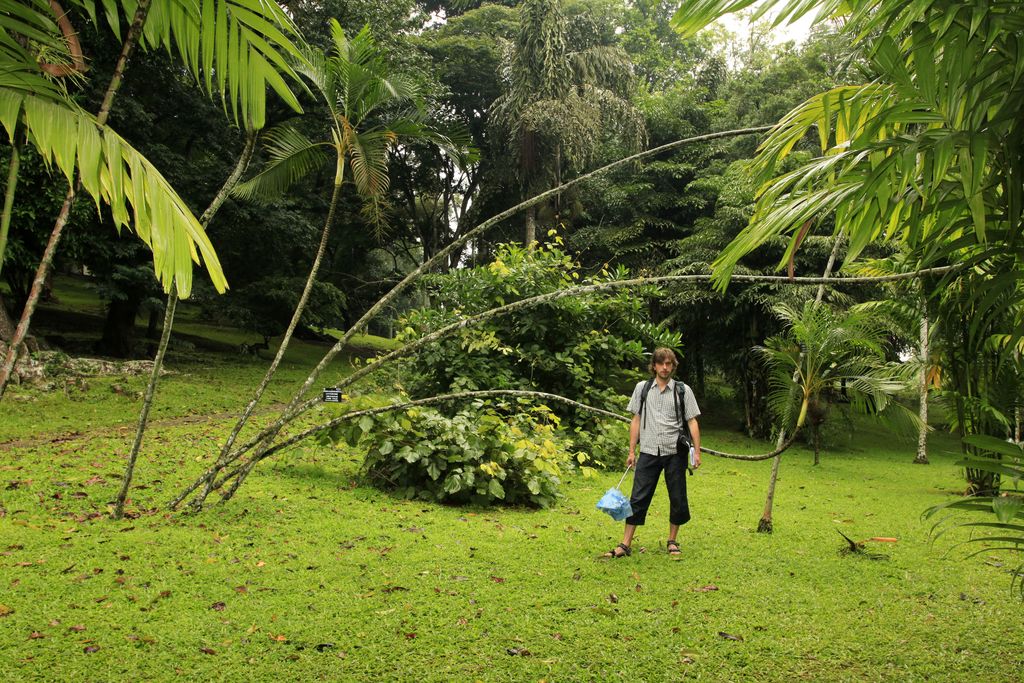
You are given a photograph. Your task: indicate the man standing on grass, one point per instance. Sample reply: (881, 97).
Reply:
(661, 408)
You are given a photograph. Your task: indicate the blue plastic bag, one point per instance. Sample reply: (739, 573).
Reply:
(615, 503)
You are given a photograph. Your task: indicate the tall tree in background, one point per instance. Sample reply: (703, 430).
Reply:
(561, 101)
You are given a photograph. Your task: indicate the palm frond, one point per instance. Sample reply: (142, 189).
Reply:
(292, 156)
(115, 174)
(237, 49)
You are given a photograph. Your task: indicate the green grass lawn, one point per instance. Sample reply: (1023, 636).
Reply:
(306, 575)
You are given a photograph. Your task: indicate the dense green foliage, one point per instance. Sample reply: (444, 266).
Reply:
(584, 347)
(1004, 463)
(480, 455)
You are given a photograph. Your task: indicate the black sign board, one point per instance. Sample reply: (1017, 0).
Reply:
(332, 395)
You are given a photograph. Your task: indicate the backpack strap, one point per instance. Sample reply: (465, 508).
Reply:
(679, 413)
(643, 398)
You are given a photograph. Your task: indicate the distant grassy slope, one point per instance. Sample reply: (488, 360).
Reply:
(209, 374)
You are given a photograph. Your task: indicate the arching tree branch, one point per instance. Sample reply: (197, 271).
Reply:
(460, 396)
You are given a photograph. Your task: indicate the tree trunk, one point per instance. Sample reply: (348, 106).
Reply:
(147, 403)
(922, 395)
(1018, 414)
(817, 444)
(6, 324)
(531, 227)
(765, 526)
(46, 263)
(119, 328)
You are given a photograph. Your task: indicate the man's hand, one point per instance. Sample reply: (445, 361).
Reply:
(630, 460)
(696, 458)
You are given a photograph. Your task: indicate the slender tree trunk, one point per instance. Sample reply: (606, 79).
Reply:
(12, 185)
(119, 328)
(1018, 409)
(226, 450)
(766, 525)
(147, 403)
(817, 444)
(165, 337)
(530, 236)
(46, 263)
(6, 324)
(922, 410)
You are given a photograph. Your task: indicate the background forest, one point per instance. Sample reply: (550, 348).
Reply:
(670, 215)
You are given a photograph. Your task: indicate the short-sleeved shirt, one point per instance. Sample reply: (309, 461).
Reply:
(659, 424)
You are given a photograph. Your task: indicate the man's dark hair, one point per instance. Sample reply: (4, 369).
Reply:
(662, 354)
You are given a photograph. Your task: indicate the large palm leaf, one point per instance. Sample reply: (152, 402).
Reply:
(114, 173)
(236, 48)
(928, 153)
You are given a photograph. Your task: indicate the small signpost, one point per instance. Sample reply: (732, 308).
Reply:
(332, 395)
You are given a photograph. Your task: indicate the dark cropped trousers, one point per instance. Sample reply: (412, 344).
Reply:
(645, 480)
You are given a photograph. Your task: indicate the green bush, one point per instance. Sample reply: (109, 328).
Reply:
(583, 347)
(477, 456)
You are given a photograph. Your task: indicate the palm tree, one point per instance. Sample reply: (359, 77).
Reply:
(370, 111)
(234, 48)
(561, 101)
(821, 356)
(928, 155)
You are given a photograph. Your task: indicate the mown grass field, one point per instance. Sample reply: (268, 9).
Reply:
(307, 575)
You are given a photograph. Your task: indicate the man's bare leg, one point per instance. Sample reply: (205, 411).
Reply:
(673, 547)
(627, 540)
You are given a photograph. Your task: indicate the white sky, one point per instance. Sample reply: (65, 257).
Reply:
(796, 32)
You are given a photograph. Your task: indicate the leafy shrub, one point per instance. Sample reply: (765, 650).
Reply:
(583, 347)
(477, 455)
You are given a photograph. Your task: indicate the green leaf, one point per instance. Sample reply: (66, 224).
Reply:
(994, 445)
(495, 488)
(433, 470)
(366, 423)
(118, 175)
(1008, 507)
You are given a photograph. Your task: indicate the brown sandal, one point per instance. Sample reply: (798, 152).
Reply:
(626, 552)
(673, 547)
